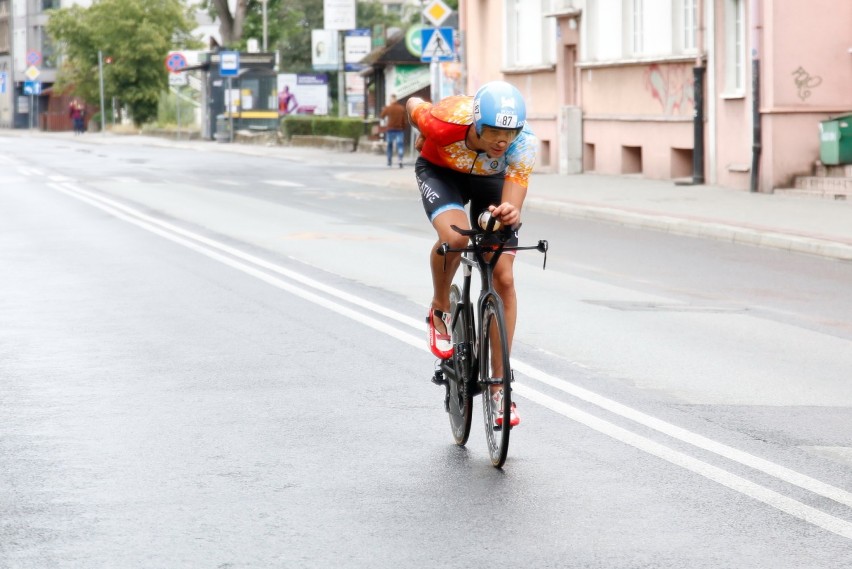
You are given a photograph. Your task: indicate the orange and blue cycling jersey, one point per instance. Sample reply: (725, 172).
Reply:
(445, 127)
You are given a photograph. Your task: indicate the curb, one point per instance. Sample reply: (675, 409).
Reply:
(697, 228)
(717, 231)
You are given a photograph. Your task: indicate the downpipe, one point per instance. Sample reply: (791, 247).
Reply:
(756, 145)
(756, 140)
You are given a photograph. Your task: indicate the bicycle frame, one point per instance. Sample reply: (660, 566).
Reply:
(483, 256)
(480, 361)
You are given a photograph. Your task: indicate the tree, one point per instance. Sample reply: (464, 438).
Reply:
(289, 25)
(135, 35)
(230, 25)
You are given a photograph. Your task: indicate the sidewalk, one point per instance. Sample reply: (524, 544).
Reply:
(800, 224)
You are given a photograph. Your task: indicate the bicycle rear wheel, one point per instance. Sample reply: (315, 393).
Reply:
(496, 373)
(459, 406)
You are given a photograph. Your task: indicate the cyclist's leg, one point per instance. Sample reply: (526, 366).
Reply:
(504, 284)
(400, 145)
(444, 205)
(489, 191)
(442, 277)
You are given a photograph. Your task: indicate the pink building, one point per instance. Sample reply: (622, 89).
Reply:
(611, 84)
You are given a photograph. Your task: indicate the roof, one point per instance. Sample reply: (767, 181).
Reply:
(394, 53)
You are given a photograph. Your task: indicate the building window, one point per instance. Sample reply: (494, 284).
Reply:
(690, 24)
(637, 28)
(530, 35)
(50, 4)
(735, 47)
(5, 40)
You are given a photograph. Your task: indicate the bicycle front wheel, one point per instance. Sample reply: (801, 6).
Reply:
(496, 373)
(459, 406)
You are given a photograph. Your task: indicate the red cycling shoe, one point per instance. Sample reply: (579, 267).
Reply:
(497, 410)
(440, 344)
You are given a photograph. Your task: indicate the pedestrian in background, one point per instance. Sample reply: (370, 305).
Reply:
(395, 116)
(77, 114)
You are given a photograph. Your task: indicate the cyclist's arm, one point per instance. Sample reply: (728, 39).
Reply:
(522, 154)
(412, 116)
(509, 211)
(410, 105)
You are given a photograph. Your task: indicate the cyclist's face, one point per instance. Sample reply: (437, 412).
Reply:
(497, 140)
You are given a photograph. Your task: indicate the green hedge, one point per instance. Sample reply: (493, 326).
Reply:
(322, 126)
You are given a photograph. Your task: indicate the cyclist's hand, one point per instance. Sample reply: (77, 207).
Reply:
(418, 143)
(507, 213)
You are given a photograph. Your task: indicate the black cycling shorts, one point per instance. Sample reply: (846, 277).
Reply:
(443, 189)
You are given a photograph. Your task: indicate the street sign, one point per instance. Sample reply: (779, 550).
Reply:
(436, 12)
(229, 63)
(175, 62)
(178, 79)
(32, 87)
(3, 82)
(414, 40)
(33, 57)
(32, 72)
(438, 45)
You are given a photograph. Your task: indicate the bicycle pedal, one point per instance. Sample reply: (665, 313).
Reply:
(438, 378)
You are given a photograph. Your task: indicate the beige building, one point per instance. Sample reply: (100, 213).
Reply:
(615, 86)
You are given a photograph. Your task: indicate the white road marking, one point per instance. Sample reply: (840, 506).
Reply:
(284, 183)
(218, 251)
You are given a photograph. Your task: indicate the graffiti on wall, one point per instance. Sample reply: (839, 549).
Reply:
(672, 86)
(805, 82)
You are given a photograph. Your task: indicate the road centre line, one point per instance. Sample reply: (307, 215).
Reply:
(215, 250)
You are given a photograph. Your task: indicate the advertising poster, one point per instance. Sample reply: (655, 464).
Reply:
(303, 94)
(324, 50)
(338, 14)
(356, 46)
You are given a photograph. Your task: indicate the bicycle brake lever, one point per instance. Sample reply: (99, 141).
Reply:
(442, 251)
(542, 246)
(465, 232)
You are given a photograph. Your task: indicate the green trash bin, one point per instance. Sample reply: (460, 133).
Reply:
(835, 141)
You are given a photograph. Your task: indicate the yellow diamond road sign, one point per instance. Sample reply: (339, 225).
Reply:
(32, 72)
(436, 12)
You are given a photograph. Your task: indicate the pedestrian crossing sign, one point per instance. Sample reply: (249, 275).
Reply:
(438, 45)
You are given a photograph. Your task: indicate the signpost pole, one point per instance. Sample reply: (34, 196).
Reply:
(265, 26)
(341, 77)
(230, 107)
(101, 80)
(177, 109)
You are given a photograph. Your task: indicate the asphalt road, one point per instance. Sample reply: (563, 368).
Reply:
(217, 360)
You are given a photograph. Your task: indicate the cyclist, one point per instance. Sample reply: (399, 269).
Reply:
(478, 150)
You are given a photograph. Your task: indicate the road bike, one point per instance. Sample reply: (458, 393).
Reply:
(480, 357)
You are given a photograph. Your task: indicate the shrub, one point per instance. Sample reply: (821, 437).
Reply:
(322, 126)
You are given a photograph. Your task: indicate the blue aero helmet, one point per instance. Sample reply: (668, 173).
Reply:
(499, 105)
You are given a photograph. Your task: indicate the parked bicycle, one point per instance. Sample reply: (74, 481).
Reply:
(480, 344)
